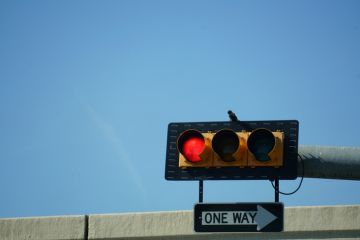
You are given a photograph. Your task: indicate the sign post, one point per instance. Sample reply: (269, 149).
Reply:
(239, 217)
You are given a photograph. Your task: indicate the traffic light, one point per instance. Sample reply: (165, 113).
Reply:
(265, 148)
(232, 150)
(227, 148)
(194, 148)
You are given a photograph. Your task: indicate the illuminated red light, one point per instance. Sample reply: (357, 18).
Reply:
(192, 147)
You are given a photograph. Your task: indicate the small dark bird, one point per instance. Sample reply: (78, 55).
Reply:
(232, 116)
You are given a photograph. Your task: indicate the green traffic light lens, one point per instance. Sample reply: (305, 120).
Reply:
(260, 143)
(225, 143)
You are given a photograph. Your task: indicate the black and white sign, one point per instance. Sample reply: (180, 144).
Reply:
(239, 217)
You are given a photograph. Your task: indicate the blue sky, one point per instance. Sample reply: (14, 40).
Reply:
(87, 89)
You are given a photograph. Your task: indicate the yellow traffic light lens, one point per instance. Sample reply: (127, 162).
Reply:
(191, 144)
(225, 143)
(260, 143)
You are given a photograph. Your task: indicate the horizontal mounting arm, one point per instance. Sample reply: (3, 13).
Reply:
(330, 162)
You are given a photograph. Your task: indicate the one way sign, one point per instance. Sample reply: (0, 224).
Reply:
(239, 217)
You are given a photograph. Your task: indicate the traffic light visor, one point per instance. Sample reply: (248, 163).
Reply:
(191, 144)
(225, 143)
(260, 143)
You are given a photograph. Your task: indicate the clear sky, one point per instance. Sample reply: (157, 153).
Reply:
(87, 89)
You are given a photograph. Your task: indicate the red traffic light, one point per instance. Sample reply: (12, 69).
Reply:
(232, 150)
(192, 148)
(191, 144)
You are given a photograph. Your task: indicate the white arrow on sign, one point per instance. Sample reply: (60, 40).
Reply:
(261, 217)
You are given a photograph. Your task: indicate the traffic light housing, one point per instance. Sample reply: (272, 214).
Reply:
(232, 150)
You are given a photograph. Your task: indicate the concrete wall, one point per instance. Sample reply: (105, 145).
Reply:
(50, 228)
(331, 222)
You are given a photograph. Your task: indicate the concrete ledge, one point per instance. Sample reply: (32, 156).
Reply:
(140, 225)
(327, 218)
(49, 228)
(330, 222)
(327, 222)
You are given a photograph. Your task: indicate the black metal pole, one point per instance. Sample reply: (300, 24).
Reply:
(201, 190)
(276, 190)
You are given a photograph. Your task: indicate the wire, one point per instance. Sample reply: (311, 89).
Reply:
(301, 181)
